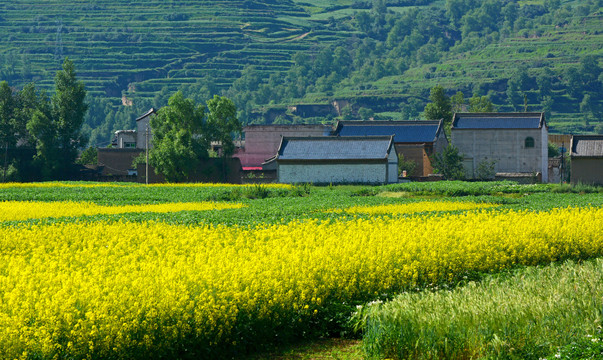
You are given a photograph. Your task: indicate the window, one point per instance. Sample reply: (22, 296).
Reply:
(129, 145)
(529, 142)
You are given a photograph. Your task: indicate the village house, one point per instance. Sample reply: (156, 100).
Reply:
(262, 141)
(587, 159)
(332, 160)
(416, 141)
(125, 147)
(517, 143)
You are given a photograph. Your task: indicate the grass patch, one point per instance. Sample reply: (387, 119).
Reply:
(526, 314)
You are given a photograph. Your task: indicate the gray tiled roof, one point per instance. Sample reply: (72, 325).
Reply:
(335, 148)
(403, 131)
(151, 111)
(587, 145)
(498, 121)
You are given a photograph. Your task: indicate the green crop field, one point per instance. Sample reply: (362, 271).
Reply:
(117, 270)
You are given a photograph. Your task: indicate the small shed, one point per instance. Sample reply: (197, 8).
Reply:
(587, 159)
(417, 141)
(332, 159)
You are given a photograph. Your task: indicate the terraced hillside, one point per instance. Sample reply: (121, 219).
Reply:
(379, 56)
(147, 44)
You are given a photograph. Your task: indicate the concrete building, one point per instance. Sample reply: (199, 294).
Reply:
(124, 139)
(517, 143)
(143, 129)
(326, 160)
(262, 141)
(587, 159)
(417, 141)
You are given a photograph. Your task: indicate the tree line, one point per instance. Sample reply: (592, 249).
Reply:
(40, 134)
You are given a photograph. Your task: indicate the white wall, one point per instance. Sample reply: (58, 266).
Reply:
(332, 173)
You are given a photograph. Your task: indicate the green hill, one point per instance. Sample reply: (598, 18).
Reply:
(379, 56)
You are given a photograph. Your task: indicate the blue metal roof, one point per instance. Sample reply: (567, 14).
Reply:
(404, 132)
(335, 148)
(498, 121)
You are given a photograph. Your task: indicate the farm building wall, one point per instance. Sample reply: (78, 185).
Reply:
(506, 147)
(417, 154)
(587, 171)
(262, 141)
(208, 172)
(141, 133)
(117, 161)
(392, 167)
(327, 173)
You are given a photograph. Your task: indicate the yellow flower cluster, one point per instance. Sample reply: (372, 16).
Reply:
(416, 207)
(107, 288)
(24, 210)
(56, 184)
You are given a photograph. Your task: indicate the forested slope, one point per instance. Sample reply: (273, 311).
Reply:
(381, 57)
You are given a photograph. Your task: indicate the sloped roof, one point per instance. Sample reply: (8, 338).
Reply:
(403, 131)
(587, 145)
(335, 148)
(498, 121)
(151, 111)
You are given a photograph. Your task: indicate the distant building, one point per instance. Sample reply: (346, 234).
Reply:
(417, 141)
(126, 146)
(143, 129)
(124, 139)
(517, 143)
(366, 159)
(587, 159)
(262, 141)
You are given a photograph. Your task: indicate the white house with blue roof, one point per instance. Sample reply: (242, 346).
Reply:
(334, 160)
(517, 143)
(416, 141)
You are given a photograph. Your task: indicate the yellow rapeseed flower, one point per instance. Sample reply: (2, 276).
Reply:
(24, 210)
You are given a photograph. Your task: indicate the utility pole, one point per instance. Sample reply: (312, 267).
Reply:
(146, 133)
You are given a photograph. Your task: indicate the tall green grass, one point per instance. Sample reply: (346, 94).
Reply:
(529, 314)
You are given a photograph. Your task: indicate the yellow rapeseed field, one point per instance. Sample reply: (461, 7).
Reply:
(416, 207)
(24, 210)
(126, 289)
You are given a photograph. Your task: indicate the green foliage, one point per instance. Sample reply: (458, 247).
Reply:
(180, 139)
(485, 170)
(553, 150)
(440, 107)
(406, 165)
(88, 157)
(449, 163)
(524, 314)
(222, 123)
(481, 104)
(56, 126)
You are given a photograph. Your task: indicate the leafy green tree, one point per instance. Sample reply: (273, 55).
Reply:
(56, 127)
(440, 107)
(180, 141)
(406, 165)
(222, 123)
(449, 163)
(88, 156)
(7, 123)
(457, 101)
(365, 113)
(480, 104)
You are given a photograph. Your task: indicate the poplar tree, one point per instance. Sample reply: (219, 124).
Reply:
(56, 127)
